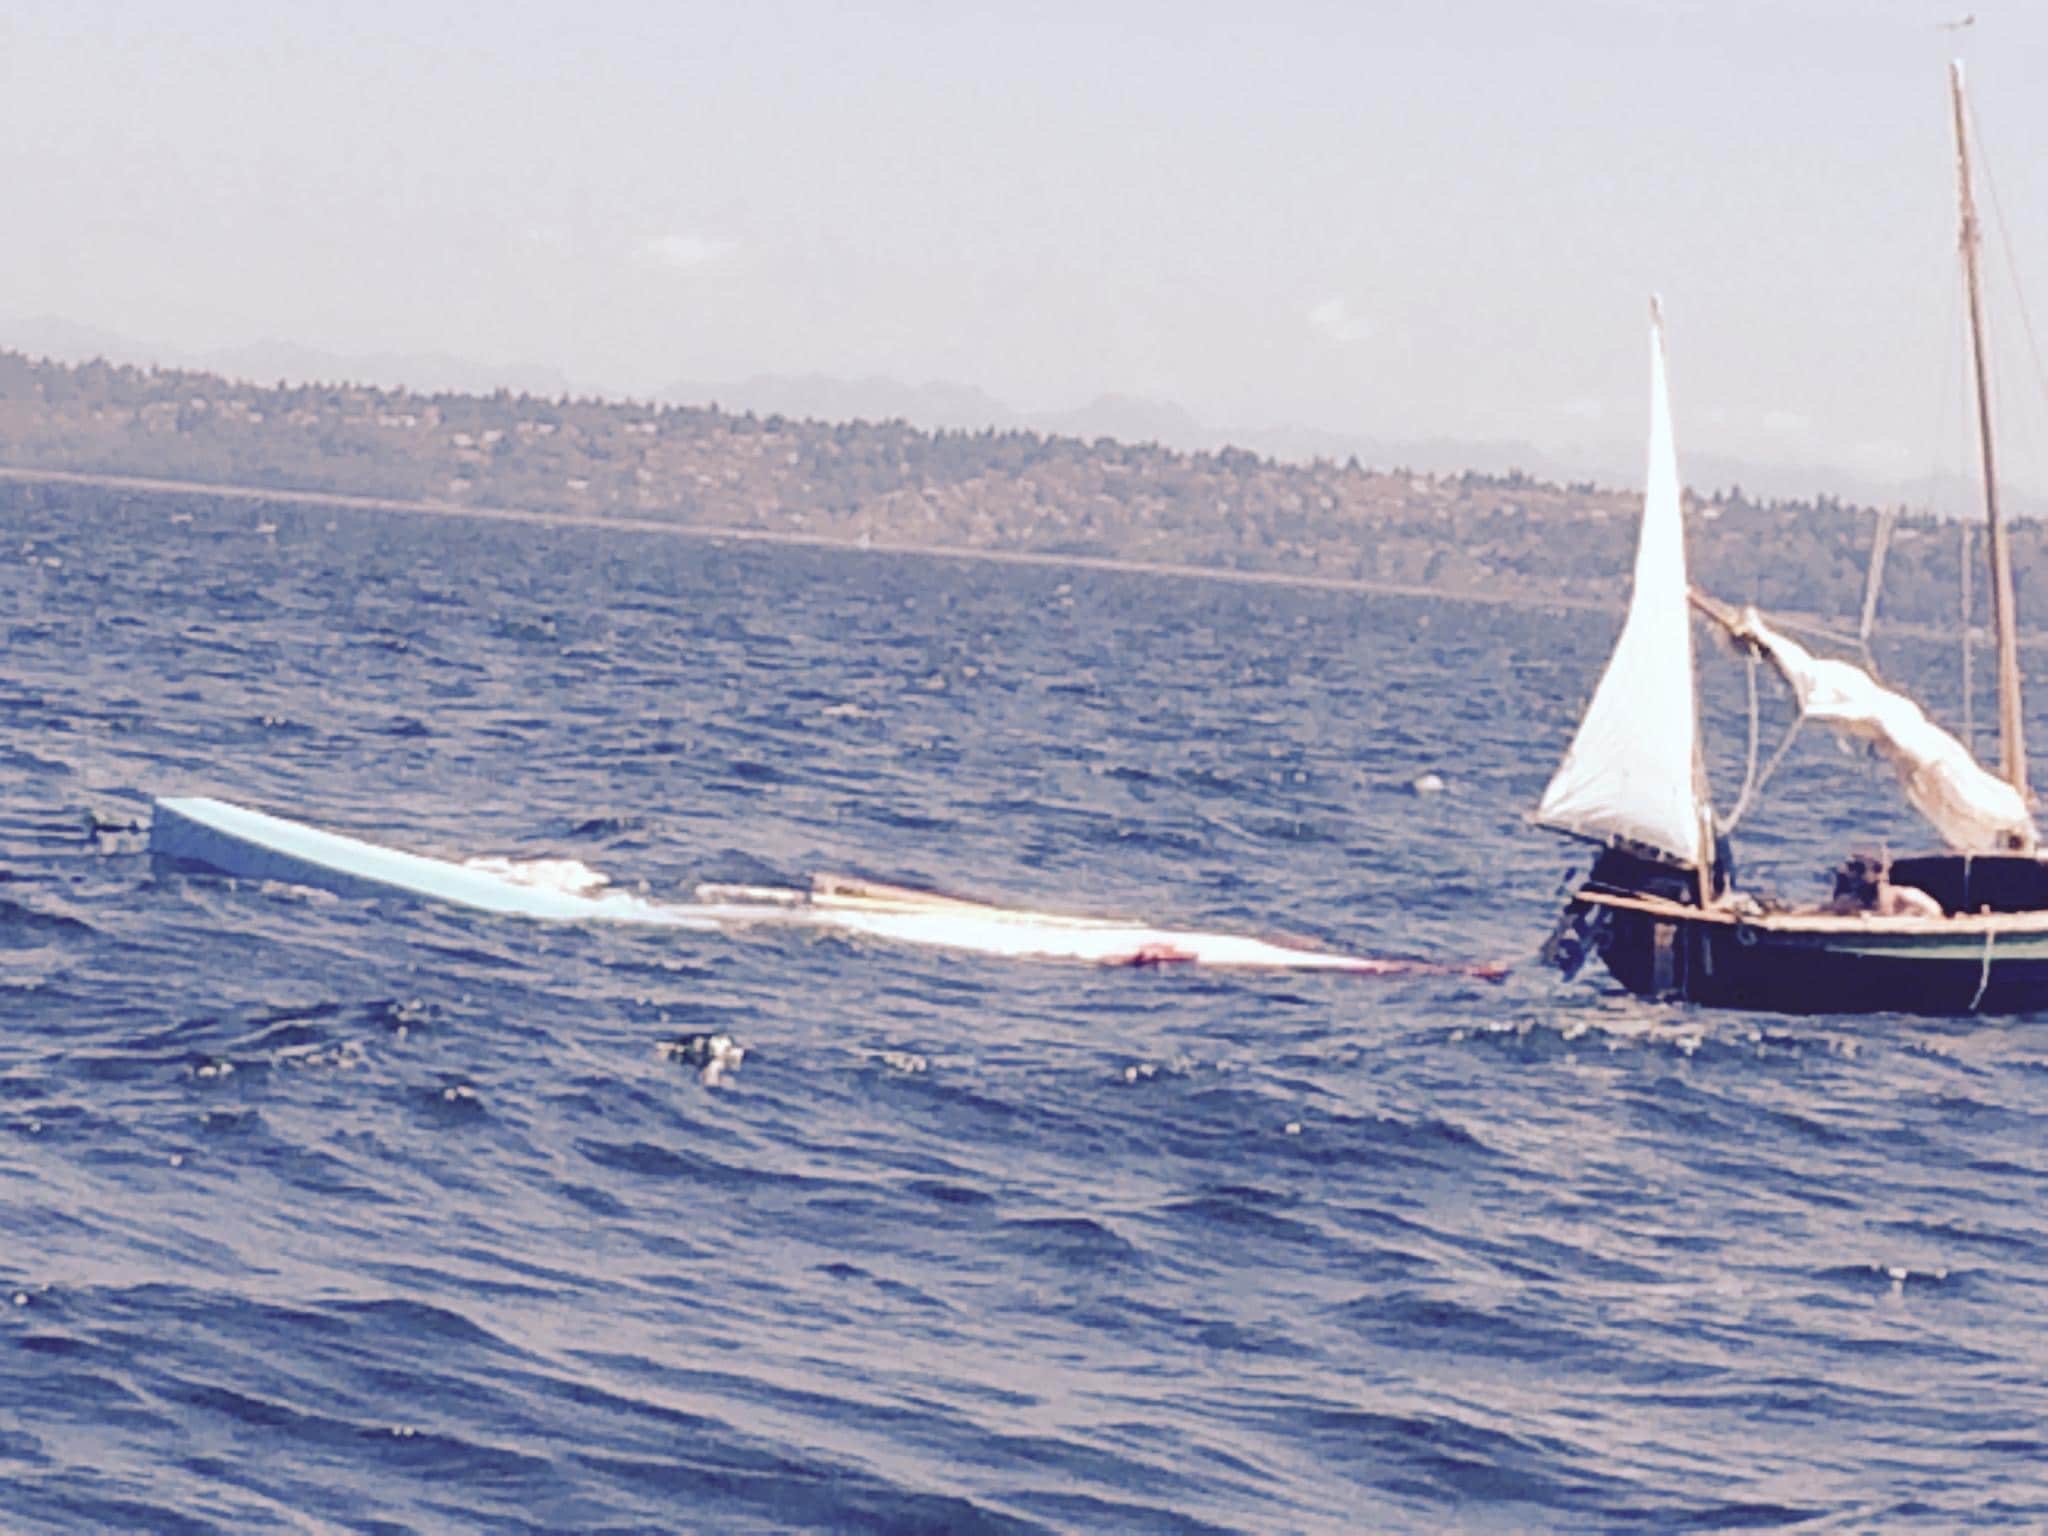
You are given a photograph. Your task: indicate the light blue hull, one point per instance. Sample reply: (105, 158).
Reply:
(248, 845)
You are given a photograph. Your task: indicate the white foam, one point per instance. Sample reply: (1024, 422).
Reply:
(572, 876)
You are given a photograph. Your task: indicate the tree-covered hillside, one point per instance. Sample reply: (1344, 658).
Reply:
(889, 482)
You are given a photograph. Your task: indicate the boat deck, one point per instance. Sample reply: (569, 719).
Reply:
(1728, 914)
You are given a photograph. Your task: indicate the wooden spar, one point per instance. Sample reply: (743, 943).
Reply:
(1727, 615)
(2012, 744)
(1873, 583)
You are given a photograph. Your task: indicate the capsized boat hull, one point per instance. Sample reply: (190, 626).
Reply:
(200, 833)
(1823, 963)
(232, 840)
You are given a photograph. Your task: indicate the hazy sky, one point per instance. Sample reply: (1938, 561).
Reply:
(1405, 220)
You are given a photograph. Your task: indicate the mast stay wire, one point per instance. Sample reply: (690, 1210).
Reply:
(1945, 462)
(1965, 564)
(2027, 422)
(1755, 779)
(2012, 268)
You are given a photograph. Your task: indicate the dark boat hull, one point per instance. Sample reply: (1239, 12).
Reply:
(1960, 965)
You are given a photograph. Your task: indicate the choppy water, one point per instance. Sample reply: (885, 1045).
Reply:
(334, 1216)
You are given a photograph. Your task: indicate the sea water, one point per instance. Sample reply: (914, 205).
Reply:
(333, 1215)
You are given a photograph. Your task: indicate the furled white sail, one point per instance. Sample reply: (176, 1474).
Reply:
(1633, 775)
(1975, 811)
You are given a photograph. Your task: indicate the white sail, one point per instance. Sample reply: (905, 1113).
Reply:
(1974, 811)
(1633, 774)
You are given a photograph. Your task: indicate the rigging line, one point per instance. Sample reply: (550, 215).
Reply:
(1943, 459)
(1749, 769)
(1944, 469)
(1818, 631)
(1984, 975)
(1771, 767)
(1967, 530)
(2005, 247)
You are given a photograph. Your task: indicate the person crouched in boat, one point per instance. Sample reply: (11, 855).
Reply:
(1863, 886)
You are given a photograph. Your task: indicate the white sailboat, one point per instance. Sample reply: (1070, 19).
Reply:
(1634, 776)
(1957, 931)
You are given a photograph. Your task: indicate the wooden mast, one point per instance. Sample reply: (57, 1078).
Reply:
(2012, 744)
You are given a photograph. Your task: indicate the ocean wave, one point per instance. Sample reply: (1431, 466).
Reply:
(360, 1213)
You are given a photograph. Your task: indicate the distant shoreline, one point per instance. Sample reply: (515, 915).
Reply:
(1831, 628)
(350, 501)
(1508, 541)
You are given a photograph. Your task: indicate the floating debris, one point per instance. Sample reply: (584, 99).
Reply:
(1427, 784)
(714, 1056)
(343, 1057)
(101, 823)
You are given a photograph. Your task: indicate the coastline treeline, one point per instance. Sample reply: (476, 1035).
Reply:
(888, 482)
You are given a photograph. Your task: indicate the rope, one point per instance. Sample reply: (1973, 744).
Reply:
(1749, 768)
(1753, 782)
(1771, 767)
(1983, 976)
(1777, 757)
(1798, 626)
(2005, 245)
(1969, 614)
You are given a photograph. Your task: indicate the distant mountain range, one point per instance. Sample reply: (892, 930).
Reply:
(944, 406)
(266, 362)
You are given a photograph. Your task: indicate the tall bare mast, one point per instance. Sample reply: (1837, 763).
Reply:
(2012, 742)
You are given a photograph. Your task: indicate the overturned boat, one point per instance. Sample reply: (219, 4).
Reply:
(1959, 931)
(221, 838)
